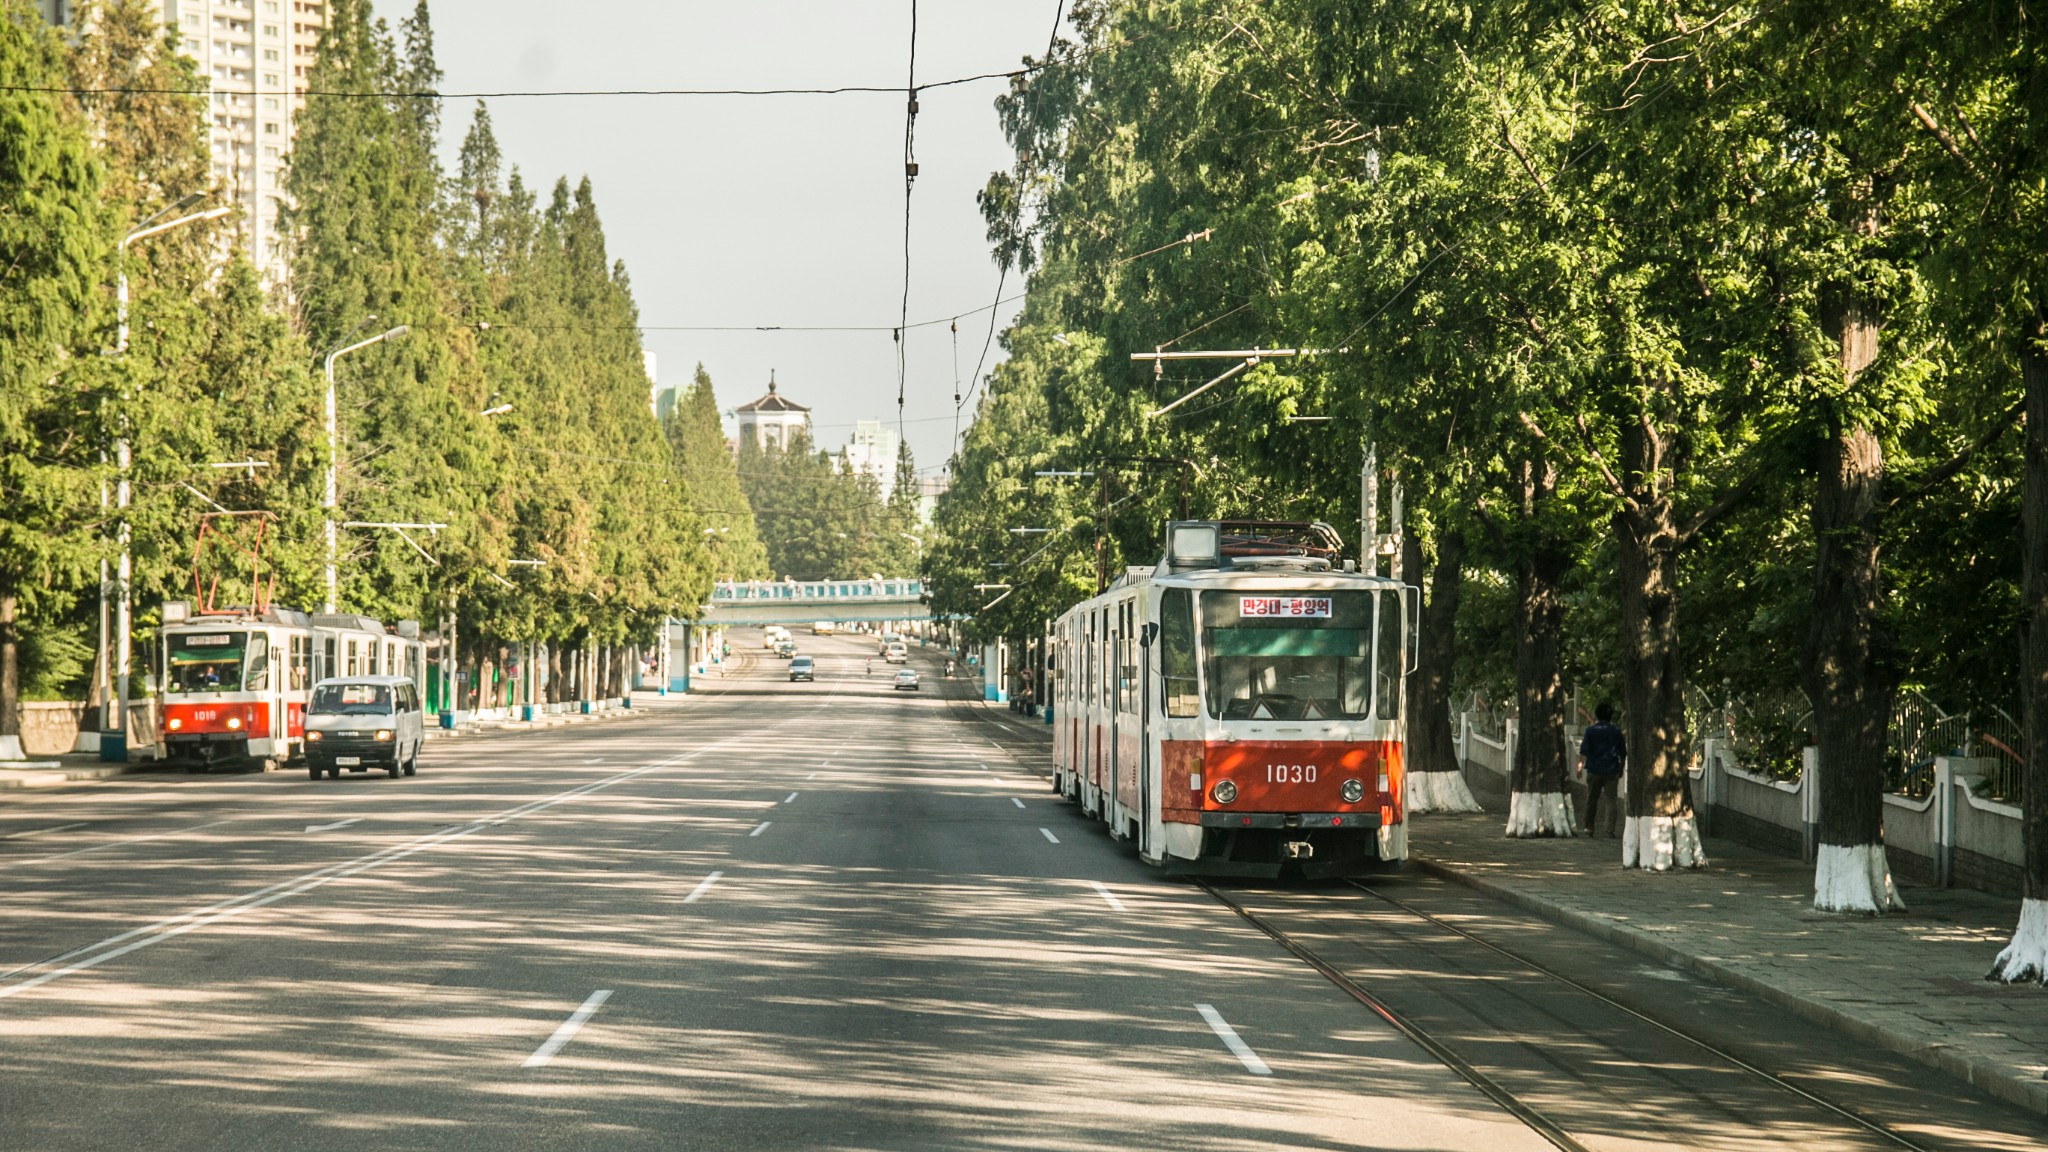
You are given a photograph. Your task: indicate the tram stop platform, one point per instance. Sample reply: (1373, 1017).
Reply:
(1910, 982)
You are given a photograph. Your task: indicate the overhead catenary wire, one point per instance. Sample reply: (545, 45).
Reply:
(1052, 40)
(909, 182)
(548, 93)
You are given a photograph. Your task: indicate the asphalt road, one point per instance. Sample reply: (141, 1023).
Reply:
(826, 915)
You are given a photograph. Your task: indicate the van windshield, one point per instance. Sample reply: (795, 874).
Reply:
(351, 700)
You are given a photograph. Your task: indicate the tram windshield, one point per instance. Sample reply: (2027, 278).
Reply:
(206, 662)
(1281, 657)
(351, 700)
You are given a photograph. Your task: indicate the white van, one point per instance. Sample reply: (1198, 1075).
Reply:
(364, 722)
(773, 634)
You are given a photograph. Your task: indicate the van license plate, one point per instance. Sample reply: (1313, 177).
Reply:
(348, 761)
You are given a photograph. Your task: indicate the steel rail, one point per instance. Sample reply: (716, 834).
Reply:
(1702, 1045)
(1537, 1122)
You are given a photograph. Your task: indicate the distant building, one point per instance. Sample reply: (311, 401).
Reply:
(661, 400)
(253, 56)
(770, 422)
(872, 449)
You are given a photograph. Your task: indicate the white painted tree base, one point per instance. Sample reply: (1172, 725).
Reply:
(1854, 878)
(2026, 958)
(1661, 843)
(1540, 814)
(1439, 792)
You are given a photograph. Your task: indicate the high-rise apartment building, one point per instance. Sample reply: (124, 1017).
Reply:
(253, 57)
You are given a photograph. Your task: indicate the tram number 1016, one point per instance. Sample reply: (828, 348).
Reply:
(1290, 773)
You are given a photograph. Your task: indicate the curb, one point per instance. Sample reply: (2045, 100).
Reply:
(2000, 1080)
(19, 777)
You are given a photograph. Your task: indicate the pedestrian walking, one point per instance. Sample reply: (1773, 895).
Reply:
(1603, 753)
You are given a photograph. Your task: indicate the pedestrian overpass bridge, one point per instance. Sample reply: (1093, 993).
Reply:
(755, 603)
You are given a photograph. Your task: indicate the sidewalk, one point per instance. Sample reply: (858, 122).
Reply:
(1911, 982)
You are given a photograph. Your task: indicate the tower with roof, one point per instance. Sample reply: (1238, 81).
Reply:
(770, 422)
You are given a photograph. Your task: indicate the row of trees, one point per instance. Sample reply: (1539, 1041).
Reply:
(509, 296)
(823, 519)
(1734, 307)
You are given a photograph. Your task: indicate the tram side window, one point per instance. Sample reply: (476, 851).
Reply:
(257, 677)
(1389, 665)
(1177, 653)
(302, 656)
(327, 665)
(1263, 666)
(1133, 691)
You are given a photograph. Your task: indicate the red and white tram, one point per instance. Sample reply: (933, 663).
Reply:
(1237, 709)
(236, 681)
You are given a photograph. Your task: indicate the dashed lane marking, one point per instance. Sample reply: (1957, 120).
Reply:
(1017, 802)
(702, 887)
(759, 828)
(790, 799)
(1103, 891)
(1232, 1041)
(1047, 833)
(333, 826)
(568, 1030)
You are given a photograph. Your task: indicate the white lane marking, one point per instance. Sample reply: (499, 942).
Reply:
(1229, 1036)
(116, 844)
(791, 798)
(702, 887)
(812, 776)
(599, 760)
(568, 1030)
(758, 829)
(333, 826)
(1103, 891)
(172, 927)
(1017, 802)
(41, 831)
(1047, 833)
(980, 765)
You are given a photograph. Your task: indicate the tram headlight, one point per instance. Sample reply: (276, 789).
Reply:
(234, 721)
(174, 723)
(1353, 791)
(1224, 792)
(383, 733)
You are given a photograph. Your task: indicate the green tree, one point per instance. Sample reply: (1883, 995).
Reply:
(59, 237)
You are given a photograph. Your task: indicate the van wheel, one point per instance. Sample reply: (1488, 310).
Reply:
(334, 773)
(412, 766)
(312, 772)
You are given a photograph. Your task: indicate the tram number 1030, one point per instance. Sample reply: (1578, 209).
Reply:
(1290, 773)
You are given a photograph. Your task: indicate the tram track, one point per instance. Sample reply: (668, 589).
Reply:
(1439, 1048)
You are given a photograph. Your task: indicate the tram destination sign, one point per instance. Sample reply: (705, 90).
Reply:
(1284, 607)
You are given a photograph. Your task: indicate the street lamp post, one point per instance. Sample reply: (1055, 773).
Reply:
(114, 730)
(330, 501)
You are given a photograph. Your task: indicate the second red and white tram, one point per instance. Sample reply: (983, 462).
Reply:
(1237, 709)
(235, 682)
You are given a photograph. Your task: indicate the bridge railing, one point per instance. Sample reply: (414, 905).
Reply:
(756, 591)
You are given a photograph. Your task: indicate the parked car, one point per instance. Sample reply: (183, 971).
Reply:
(802, 668)
(364, 722)
(906, 678)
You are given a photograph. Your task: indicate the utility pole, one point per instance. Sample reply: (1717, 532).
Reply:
(330, 502)
(114, 730)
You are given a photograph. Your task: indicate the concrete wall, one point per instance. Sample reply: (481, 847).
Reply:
(51, 729)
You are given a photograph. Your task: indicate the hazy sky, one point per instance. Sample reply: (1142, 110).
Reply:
(766, 210)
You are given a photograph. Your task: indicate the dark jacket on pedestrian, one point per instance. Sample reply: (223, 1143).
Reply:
(1604, 749)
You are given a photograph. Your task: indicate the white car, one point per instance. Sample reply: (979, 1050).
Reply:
(896, 653)
(824, 628)
(907, 678)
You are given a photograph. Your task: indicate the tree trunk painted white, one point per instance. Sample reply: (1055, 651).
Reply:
(1540, 814)
(1662, 843)
(2026, 958)
(1854, 878)
(1439, 792)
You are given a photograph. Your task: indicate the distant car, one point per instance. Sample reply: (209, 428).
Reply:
(824, 628)
(802, 668)
(906, 678)
(896, 653)
(886, 639)
(785, 648)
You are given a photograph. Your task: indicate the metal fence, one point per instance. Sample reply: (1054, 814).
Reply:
(1996, 735)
